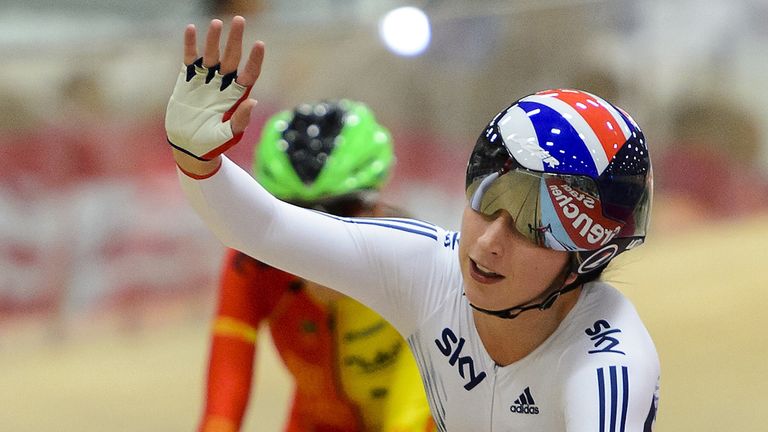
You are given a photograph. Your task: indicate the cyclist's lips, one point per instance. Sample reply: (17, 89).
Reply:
(483, 274)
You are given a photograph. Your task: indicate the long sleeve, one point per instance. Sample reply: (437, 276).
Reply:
(388, 264)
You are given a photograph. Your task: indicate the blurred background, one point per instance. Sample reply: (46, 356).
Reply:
(107, 278)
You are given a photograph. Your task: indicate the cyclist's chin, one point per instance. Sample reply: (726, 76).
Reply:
(496, 296)
(485, 296)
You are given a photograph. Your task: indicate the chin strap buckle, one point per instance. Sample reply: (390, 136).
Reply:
(549, 301)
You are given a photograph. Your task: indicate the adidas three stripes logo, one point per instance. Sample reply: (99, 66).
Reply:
(613, 395)
(524, 404)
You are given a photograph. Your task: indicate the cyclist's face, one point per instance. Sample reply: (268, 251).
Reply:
(501, 267)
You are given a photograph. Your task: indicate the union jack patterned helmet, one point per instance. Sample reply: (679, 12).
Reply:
(573, 171)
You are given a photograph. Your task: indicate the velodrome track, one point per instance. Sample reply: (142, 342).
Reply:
(703, 294)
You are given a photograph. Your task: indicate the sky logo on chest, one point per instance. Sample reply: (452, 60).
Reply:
(451, 346)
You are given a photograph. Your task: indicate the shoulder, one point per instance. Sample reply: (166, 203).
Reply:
(606, 330)
(610, 362)
(409, 233)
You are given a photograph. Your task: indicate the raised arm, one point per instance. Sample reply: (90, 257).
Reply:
(388, 264)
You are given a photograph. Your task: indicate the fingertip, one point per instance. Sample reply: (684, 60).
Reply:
(238, 18)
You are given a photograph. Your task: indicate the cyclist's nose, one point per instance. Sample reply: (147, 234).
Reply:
(496, 234)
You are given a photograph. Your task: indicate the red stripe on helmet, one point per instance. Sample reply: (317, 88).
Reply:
(593, 110)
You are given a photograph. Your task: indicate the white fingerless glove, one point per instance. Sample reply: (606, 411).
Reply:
(198, 113)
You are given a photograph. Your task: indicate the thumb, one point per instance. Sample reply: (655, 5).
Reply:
(242, 116)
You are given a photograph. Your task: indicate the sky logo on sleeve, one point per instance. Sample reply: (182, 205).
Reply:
(604, 338)
(451, 240)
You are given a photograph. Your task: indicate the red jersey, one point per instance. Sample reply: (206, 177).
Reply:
(342, 355)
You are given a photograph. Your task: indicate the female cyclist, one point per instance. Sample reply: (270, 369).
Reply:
(511, 328)
(347, 362)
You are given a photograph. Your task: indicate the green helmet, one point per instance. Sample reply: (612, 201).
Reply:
(323, 150)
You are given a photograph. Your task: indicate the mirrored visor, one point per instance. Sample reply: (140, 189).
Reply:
(561, 212)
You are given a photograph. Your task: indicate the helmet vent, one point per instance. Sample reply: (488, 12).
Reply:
(311, 137)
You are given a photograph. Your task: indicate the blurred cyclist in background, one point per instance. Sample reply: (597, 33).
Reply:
(330, 156)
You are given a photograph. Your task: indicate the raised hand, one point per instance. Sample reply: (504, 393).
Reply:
(209, 108)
